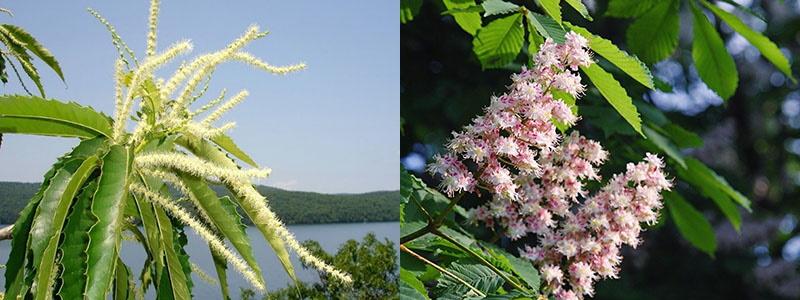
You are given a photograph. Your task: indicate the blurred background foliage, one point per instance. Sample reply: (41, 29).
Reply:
(372, 262)
(752, 139)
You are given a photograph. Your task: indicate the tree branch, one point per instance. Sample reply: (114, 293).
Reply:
(5, 232)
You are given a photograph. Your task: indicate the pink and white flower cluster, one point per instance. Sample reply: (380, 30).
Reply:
(537, 180)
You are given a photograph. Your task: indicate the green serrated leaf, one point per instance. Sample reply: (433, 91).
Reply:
(470, 19)
(716, 188)
(665, 145)
(713, 62)
(768, 49)
(105, 234)
(226, 220)
(581, 8)
(682, 137)
(52, 112)
(547, 27)
(227, 144)
(654, 35)
(499, 43)
(34, 47)
(692, 225)
(15, 282)
(74, 245)
(525, 270)
(498, 7)
(175, 276)
(418, 289)
(629, 8)
(221, 266)
(615, 94)
(205, 150)
(55, 220)
(629, 64)
(552, 8)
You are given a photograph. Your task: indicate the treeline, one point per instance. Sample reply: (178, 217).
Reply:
(293, 207)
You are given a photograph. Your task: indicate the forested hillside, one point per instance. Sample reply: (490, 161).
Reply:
(293, 207)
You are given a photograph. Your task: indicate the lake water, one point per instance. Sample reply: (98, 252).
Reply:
(330, 236)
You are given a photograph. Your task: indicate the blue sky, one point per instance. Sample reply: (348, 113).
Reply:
(332, 128)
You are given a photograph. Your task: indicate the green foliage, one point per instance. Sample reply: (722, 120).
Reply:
(51, 117)
(469, 268)
(500, 41)
(373, 263)
(654, 35)
(469, 21)
(629, 8)
(711, 58)
(619, 58)
(409, 9)
(66, 241)
(767, 48)
(691, 223)
(615, 94)
(552, 8)
(22, 47)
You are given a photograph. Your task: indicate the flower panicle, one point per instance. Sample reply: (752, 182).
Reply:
(537, 177)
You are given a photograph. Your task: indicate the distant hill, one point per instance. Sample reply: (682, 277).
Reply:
(293, 207)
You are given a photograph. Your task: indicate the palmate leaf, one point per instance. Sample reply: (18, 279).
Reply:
(73, 248)
(499, 42)
(621, 59)
(226, 220)
(692, 225)
(51, 113)
(654, 35)
(207, 151)
(34, 47)
(768, 49)
(615, 94)
(713, 62)
(469, 21)
(107, 207)
(56, 218)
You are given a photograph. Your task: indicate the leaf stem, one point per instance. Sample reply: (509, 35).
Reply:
(442, 270)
